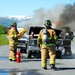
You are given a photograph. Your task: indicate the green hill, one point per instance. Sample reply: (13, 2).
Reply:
(3, 39)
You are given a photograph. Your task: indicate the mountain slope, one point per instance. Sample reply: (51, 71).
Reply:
(7, 20)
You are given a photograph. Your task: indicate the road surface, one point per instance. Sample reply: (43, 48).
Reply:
(65, 65)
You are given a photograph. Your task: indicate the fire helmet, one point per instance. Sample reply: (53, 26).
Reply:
(48, 23)
(14, 24)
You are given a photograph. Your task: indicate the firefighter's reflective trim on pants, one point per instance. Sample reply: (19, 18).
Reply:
(44, 64)
(47, 44)
(52, 62)
(11, 56)
(13, 42)
(12, 59)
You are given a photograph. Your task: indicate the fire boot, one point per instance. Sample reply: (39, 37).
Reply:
(53, 66)
(44, 68)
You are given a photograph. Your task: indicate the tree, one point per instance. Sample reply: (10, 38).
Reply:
(2, 30)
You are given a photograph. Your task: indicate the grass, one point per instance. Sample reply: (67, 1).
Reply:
(3, 39)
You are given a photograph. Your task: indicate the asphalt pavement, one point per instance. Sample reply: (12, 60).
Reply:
(65, 65)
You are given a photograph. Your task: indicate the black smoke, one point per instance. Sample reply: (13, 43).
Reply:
(67, 18)
(62, 13)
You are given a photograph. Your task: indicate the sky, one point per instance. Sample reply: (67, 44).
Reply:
(27, 7)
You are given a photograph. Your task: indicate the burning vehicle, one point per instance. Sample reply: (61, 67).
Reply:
(28, 43)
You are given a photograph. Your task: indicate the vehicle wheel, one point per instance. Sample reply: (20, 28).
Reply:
(38, 54)
(58, 54)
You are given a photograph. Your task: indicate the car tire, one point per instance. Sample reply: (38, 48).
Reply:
(58, 54)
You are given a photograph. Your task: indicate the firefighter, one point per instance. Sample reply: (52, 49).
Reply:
(47, 39)
(13, 41)
(67, 36)
(67, 43)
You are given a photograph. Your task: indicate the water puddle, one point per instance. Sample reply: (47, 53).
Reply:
(10, 73)
(3, 58)
(4, 73)
(19, 72)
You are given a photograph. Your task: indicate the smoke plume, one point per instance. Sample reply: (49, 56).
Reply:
(40, 15)
(67, 18)
(60, 15)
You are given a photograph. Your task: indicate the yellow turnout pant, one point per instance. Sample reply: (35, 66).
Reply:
(12, 54)
(45, 52)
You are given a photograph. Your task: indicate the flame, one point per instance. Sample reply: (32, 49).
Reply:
(58, 23)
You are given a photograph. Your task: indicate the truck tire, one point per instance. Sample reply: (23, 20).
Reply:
(39, 54)
(58, 54)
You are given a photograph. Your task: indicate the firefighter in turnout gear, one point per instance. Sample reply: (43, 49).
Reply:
(67, 44)
(47, 40)
(13, 41)
(67, 36)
